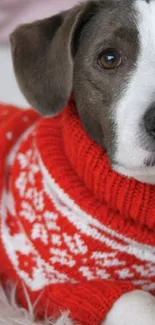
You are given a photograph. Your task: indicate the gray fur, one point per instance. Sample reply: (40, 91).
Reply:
(58, 56)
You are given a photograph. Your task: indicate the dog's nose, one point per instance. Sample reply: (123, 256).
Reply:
(149, 120)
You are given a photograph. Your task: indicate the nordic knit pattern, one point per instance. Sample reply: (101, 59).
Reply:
(74, 234)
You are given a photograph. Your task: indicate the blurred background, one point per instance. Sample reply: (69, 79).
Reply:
(13, 13)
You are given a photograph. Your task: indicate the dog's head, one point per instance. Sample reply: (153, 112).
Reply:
(104, 52)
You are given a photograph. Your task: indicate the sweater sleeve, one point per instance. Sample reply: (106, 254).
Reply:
(88, 303)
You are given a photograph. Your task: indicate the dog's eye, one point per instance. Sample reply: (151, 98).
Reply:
(110, 59)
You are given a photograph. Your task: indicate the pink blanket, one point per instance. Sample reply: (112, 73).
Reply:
(15, 12)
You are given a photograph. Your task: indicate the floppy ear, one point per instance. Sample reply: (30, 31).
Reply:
(43, 56)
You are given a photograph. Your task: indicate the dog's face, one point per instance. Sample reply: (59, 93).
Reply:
(104, 52)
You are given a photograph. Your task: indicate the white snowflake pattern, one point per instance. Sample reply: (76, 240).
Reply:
(38, 199)
(27, 212)
(21, 183)
(76, 244)
(29, 193)
(62, 257)
(87, 272)
(32, 173)
(25, 159)
(56, 240)
(107, 259)
(147, 270)
(50, 219)
(39, 232)
(102, 274)
(125, 273)
(28, 161)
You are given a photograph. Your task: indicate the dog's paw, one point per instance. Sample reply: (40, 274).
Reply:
(134, 308)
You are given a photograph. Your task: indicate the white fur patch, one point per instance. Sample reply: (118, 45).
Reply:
(136, 99)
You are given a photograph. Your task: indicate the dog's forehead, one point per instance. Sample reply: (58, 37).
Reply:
(127, 9)
(111, 16)
(136, 16)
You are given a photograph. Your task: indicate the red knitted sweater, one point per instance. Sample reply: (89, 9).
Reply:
(74, 234)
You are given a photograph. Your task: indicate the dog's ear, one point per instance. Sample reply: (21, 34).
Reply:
(43, 57)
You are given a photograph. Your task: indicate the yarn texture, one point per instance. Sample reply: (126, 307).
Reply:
(74, 234)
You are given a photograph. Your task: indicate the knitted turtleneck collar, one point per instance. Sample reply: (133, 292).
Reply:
(128, 198)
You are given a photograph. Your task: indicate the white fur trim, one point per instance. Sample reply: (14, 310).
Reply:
(134, 308)
(11, 314)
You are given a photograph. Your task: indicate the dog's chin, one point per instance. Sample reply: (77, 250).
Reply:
(144, 174)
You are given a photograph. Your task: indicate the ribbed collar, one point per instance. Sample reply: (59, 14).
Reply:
(128, 197)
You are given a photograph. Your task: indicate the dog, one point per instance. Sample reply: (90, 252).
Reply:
(117, 93)
(102, 52)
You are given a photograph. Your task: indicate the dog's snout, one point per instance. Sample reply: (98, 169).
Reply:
(149, 120)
